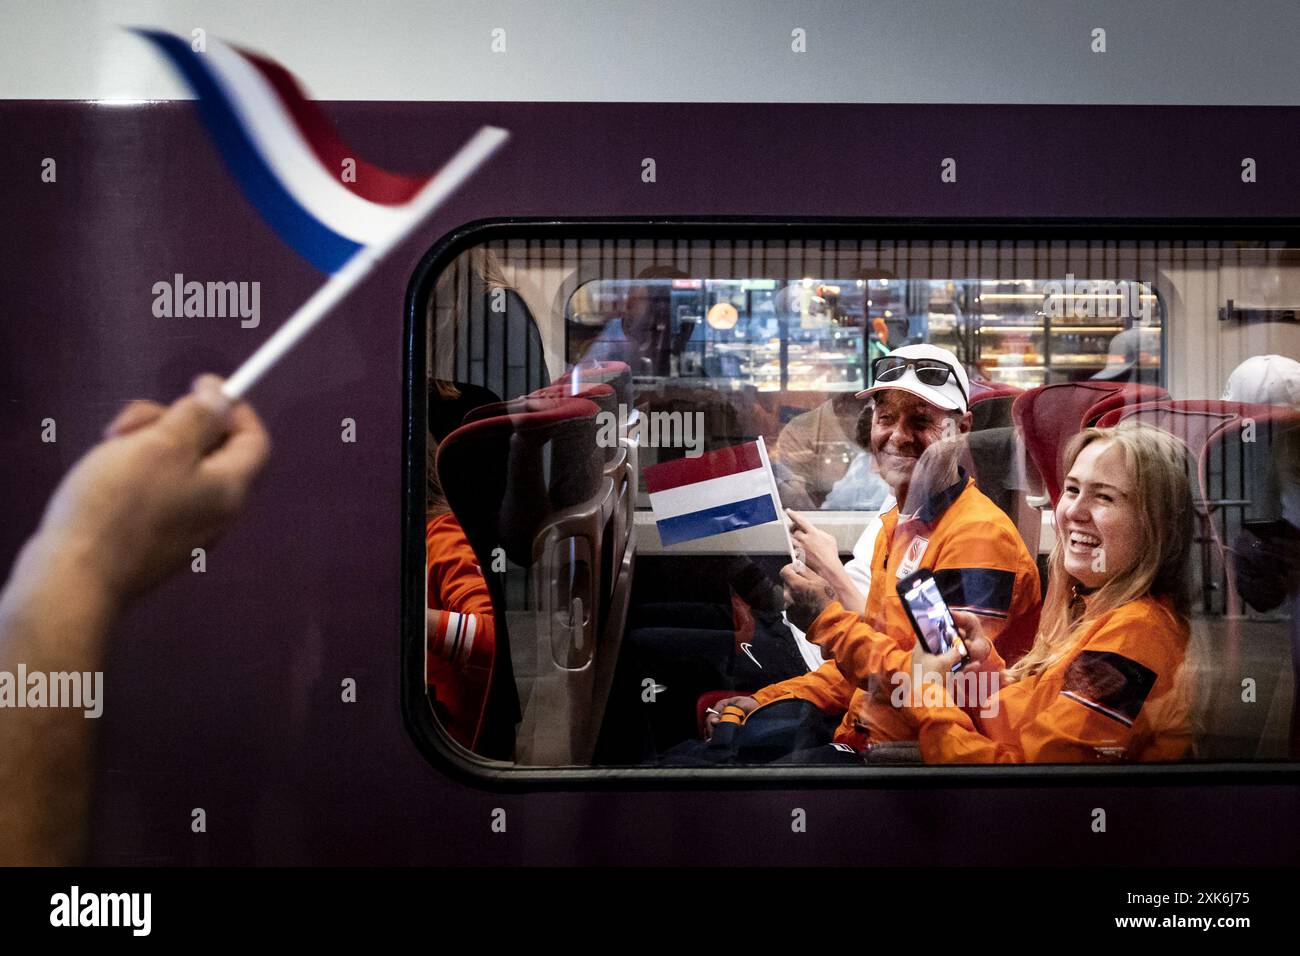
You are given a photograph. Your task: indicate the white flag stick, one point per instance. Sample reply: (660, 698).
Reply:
(461, 166)
(776, 498)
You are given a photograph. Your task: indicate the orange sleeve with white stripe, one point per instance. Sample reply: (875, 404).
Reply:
(1128, 661)
(461, 630)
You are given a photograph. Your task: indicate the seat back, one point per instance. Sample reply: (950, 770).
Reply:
(605, 399)
(620, 463)
(980, 391)
(1048, 416)
(528, 482)
(1242, 467)
(552, 463)
(619, 452)
(617, 375)
(618, 555)
(991, 410)
(1193, 422)
(1129, 393)
(447, 411)
(995, 459)
(1240, 473)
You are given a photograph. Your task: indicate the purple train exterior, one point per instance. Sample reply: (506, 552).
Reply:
(223, 688)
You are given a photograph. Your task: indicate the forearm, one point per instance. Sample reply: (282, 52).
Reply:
(53, 617)
(466, 640)
(1065, 732)
(846, 589)
(948, 735)
(860, 651)
(824, 687)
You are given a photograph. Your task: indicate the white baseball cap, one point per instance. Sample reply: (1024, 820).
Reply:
(951, 395)
(1265, 380)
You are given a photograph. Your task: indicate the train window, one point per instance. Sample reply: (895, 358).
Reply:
(608, 419)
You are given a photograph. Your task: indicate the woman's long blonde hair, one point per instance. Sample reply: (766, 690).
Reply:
(1157, 462)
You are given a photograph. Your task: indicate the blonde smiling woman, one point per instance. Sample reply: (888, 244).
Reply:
(1103, 678)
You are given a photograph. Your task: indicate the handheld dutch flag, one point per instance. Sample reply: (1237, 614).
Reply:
(338, 212)
(720, 491)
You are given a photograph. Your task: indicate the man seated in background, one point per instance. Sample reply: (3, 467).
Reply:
(1266, 554)
(945, 524)
(814, 450)
(860, 488)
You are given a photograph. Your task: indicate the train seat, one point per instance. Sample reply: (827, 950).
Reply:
(980, 390)
(992, 409)
(1243, 470)
(620, 457)
(449, 406)
(1050, 415)
(617, 375)
(1232, 446)
(618, 547)
(1193, 423)
(605, 399)
(530, 480)
(1131, 393)
(995, 458)
(1241, 473)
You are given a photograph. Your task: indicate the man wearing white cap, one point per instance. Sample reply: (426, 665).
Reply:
(946, 524)
(1267, 555)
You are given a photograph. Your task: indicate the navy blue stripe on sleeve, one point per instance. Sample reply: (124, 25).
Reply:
(1110, 684)
(984, 591)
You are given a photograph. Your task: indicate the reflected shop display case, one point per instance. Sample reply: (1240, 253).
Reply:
(813, 334)
(797, 335)
(1029, 332)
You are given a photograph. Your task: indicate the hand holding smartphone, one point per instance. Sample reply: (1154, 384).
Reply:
(930, 616)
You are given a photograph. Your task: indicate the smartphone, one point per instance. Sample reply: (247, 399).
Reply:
(929, 615)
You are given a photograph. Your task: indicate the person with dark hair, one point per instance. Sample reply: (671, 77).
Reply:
(644, 335)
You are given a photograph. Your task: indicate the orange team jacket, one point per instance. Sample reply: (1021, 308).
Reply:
(1118, 694)
(461, 648)
(981, 565)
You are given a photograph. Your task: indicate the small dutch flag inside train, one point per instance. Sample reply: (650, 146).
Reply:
(334, 209)
(720, 491)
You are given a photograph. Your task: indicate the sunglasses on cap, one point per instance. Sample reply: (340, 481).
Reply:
(933, 372)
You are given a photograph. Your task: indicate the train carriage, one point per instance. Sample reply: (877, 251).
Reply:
(623, 286)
